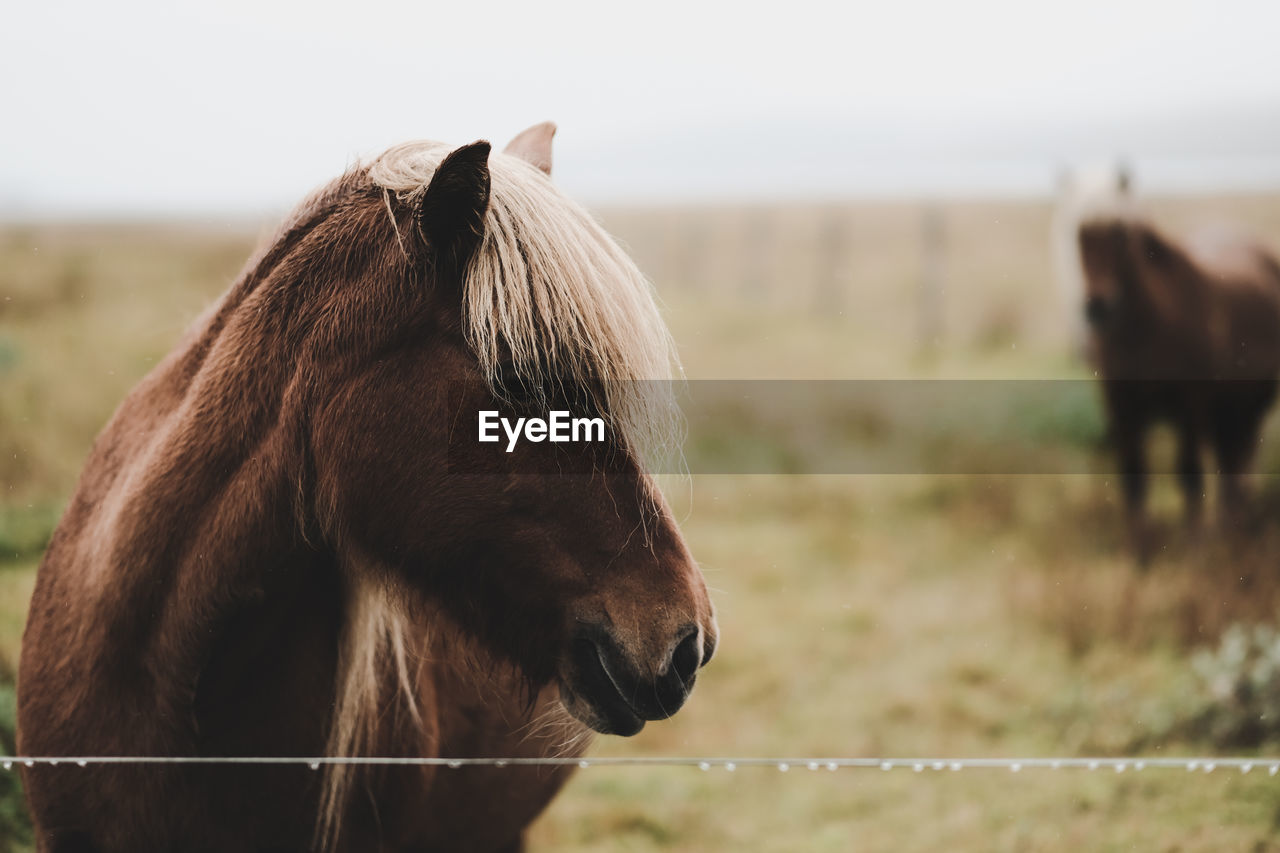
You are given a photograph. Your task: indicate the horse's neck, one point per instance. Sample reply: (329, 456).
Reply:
(186, 507)
(1177, 294)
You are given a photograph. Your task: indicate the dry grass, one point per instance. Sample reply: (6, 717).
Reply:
(1202, 582)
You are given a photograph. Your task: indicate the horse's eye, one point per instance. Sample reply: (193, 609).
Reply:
(519, 391)
(533, 395)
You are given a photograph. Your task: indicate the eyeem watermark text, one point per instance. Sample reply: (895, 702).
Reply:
(558, 427)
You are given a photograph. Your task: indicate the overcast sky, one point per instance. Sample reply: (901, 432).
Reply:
(145, 107)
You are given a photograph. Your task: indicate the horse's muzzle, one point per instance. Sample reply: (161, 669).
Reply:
(620, 699)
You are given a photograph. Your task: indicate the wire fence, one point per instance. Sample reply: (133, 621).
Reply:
(1271, 765)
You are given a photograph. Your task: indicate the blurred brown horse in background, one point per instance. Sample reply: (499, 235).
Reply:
(287, 541)
(1188, 335)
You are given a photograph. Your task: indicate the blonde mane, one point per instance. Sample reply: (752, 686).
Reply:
(552, 294)
(375, 638)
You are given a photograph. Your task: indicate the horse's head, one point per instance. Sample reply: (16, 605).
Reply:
(560, 558)
(1124, 262)
(1109, 270)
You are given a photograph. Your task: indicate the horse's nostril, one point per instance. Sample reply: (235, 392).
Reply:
(708, 650)
(623, 690)
(1096, 310)
(686, 659)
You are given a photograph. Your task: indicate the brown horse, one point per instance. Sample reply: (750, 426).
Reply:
(1185, 335)
(287, 541)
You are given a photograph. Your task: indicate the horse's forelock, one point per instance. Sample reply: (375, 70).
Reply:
(549, 296)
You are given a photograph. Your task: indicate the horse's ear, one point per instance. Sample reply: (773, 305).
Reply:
(451, 212)
(534, 146)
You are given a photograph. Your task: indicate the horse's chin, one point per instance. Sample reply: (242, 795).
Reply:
(606, 717)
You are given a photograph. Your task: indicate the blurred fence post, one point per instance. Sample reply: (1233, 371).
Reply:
(830, 263)
(757, 237)
(929, 305)
(667, 252)
(694, 245)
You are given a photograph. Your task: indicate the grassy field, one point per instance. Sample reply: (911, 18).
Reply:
(869, 615)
